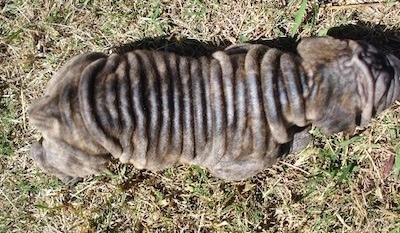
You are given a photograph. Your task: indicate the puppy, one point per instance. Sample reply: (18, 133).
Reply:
(236, 112)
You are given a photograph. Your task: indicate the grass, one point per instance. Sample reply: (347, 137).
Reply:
(338, 184)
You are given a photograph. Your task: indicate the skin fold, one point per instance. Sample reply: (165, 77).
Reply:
(236, 112)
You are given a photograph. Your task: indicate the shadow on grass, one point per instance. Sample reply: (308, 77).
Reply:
(387, 40)
(183, 47)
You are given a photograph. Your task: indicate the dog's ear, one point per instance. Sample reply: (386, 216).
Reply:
(65, 161)
(337, 117)
(319, 51)
(38, 154)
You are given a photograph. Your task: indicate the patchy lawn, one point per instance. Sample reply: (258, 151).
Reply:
(338, 184)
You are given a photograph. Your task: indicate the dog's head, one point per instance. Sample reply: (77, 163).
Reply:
(66, 162)
(350, 82)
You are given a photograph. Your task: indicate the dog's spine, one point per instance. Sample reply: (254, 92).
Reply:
(155, 109)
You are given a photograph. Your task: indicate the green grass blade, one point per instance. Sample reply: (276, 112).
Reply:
(397, 163)
(299, 17)
(346, 171)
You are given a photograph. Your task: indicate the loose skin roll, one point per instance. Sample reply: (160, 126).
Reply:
(235, 113)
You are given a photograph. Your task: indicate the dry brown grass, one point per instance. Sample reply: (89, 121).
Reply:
(335, 185)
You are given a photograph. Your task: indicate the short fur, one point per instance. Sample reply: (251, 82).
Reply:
(235, 113)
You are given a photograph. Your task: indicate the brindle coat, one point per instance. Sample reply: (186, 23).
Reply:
(235, 113)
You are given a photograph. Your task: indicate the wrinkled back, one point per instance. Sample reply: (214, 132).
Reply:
(235, 113)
